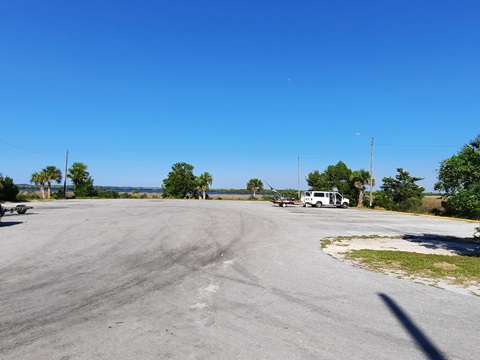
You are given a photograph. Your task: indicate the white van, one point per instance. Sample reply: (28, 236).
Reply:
(324, 199)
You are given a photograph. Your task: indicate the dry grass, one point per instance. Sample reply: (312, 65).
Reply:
(431, 202)
(211, 197)
(234, 197)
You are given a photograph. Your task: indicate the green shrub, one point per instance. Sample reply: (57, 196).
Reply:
(59, 194)
(26, 196)
(8, 190)
(108, 195)
(86, 189)
(290, 194)
(464, 204)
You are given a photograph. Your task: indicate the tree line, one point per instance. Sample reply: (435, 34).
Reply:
(77, 173)
(458, 181)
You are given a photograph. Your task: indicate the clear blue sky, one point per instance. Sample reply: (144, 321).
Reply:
(240, 89)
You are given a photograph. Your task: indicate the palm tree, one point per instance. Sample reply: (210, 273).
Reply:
(475, 143)
(78, 174)
(51, 173)
(202, 182)
(38, 178)
(254, 185)
(360, 178)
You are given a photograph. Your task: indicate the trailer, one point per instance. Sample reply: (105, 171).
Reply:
(20, 209)
(283, 201)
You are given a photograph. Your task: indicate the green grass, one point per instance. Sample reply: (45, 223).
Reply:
(326, 242)
(462, 269)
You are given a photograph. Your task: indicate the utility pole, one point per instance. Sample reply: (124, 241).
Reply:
(371, 167)
(65, 179)
(371, 172)
(299, 177)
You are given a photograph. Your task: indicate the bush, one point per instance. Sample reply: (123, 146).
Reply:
(464, 204)
(27, 195)
(86, 189)
(8, 190)
(290, 194)
(383, 200)
(59, 194)
(108, 195)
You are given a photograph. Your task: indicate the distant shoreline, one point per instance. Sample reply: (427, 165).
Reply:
(152, 193)
(145, 190)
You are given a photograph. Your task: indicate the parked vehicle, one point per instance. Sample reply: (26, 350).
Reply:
(20, 209)
(281, 199)
(324, 199)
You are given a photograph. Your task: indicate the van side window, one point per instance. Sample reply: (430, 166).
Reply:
(318, 194)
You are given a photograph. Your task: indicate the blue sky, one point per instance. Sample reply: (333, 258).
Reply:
(240, 89)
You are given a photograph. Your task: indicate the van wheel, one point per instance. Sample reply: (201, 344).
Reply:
(344, 205)
(318, 204)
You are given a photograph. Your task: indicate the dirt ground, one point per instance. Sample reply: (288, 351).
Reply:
(338, 249)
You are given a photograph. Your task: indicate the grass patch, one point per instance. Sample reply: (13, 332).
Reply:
(432, 204)
(326, 242)
(340, 238)
(463, 269)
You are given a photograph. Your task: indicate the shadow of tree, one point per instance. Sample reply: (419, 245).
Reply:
(458, 245)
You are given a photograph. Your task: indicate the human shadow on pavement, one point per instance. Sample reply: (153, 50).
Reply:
(460, 246)
(420, 338)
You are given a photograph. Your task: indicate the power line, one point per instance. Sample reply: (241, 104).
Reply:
(418, 146)
(29, 151)
(335, 155)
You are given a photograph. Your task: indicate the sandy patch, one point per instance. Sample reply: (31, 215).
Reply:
(338, 248)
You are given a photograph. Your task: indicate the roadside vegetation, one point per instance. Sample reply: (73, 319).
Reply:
(254, 185)
(458, 183)
(459, 269)
(181, 183)
(462, 269)
(8, 190)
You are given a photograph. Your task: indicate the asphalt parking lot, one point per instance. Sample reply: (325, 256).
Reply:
(191, 279)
